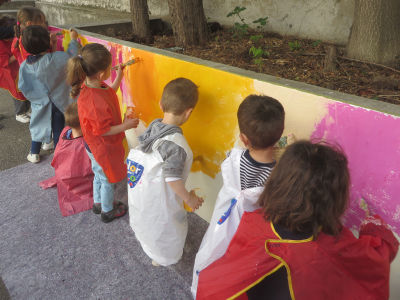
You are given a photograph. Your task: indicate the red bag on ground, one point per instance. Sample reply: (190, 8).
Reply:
(74, 176)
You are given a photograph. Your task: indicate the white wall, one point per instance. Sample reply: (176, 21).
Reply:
(327, 20)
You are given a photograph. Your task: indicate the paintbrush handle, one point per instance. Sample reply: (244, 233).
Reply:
(127, 63)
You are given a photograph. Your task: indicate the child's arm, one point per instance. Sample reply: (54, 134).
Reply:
(190, 198)
(53, 42)
(117, 81)
(11, 59)
(127, 124)
(73, 47)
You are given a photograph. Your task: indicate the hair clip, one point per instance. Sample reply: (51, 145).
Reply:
(18, 23)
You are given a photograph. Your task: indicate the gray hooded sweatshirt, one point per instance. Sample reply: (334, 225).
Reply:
(173, 155)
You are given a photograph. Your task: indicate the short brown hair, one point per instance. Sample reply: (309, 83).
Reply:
(179, 95)
(308, 190)
(261, 119)
(35, 39)
(71, 116)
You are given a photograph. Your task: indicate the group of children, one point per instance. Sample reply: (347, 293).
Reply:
(275, 226)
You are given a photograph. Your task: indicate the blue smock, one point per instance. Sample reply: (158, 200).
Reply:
(43, 83)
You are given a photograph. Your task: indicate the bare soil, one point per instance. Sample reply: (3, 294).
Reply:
(295, 59)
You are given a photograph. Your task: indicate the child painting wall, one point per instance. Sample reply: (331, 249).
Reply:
(370, 138)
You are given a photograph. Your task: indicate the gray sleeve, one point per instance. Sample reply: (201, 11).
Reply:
(174, 158)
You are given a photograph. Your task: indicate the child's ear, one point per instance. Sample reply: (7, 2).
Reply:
(100, 75)
(188, 112)
(244, 140)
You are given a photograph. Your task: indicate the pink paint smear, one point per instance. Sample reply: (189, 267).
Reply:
(371, 141)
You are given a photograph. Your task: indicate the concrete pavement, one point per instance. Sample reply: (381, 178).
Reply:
(15, 138)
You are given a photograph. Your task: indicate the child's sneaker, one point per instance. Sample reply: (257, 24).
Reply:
(22, 118)
(33, 158)
(48, 146)
(96, 208)
(119, 210)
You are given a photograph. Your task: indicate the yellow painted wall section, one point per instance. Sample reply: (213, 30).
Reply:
(302, 110)
(213, 119)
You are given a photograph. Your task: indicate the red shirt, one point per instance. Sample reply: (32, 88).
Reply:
(98, 110)
(341, 267)
(9, 72)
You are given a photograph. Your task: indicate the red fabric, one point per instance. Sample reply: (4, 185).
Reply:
(98, 110)
(19, 52)
(74, 176)
(9, 72)
(341, 267)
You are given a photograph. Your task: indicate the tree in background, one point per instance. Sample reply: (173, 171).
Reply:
(375, 35)
(188, 22)
(140, 20)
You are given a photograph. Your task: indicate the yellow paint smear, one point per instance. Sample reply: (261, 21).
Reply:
(67, 39)
(210, 135)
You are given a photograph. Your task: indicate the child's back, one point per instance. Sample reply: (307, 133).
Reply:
(9, 71)
(42, 80)
(161, 162)
(156, 213)
(244, 172)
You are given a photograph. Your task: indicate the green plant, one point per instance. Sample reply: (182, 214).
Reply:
(256, 38)
(239, 29)
(294, 46)
(261, 21)
(316, 43)
(257, 53)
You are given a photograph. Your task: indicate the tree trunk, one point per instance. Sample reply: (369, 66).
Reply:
(330, 59)
(188, 22)
(140, 20)
(375, 34)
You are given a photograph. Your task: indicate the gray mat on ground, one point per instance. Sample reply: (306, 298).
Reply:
(46, 256)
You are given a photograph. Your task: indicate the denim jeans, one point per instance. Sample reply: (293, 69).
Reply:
(57, 125)
(21, 107)
(103, 190)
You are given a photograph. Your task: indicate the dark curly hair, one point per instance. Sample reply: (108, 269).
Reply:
(308, 190)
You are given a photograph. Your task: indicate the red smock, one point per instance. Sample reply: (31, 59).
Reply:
(74, 176)
(98, 110)
(9, 72)
(341, 267)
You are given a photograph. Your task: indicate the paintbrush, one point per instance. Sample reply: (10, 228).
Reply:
(128, 63)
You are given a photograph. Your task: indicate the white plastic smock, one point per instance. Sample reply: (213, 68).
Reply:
(156, 213)
(230, 205)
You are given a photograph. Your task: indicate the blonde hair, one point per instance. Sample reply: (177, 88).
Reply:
(71, 116)
(179, 95)
(27, 14)
(94, 58)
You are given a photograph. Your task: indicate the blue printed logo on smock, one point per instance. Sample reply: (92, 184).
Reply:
(135, 171)
(228, 212)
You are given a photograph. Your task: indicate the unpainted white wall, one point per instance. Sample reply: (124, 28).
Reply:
(327, 20)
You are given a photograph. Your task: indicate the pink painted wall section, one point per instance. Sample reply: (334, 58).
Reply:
(371, 141)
